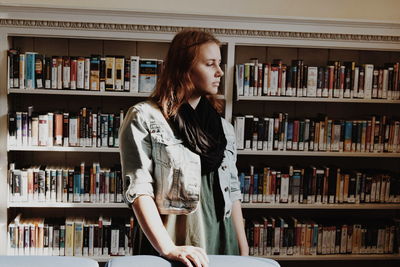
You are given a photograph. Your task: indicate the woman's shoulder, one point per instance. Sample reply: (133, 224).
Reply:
(145, 106)
(146, 109)
(228, 127)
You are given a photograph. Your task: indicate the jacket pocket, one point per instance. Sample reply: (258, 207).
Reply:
(179, 173)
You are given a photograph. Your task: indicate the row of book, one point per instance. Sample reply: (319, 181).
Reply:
(84, 129)
(62, 184)
(319, 185)
(74, 236)
(31, 70)
(269, 236)
(375, 134)
(336, 80)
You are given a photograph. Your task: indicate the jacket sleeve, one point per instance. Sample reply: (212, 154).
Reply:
(136, 161)
(236, 194)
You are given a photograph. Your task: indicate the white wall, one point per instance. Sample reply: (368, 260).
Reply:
(377, 10)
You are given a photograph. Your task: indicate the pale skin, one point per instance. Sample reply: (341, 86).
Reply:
(205, 74)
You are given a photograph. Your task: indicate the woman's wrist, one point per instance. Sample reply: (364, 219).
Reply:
(166, 250)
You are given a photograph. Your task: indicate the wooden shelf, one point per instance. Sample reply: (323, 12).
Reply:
(392, 206)
(82, 93)
(76, 92)
(318, 154)
(317, 99)
(335, 257)
(65, 149)
(64, 205)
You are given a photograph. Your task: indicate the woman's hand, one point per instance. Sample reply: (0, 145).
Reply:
(188, 255)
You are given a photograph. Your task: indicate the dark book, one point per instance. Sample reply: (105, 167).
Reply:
(110, 140)
(13, 68)
(127, 75)
(47, 72)
(39, 71)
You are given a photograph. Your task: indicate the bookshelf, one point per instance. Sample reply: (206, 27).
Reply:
(147, 35)
(318, 154)
(315, 99)
(82, 93)
(320, 206)
(65, 205)
(339, 258)
(66, 149)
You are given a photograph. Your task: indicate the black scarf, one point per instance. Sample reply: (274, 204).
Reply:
(201, 131)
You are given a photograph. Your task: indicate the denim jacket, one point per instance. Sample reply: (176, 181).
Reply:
(156, 163)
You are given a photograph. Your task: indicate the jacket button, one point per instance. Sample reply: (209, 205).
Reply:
(226, 189)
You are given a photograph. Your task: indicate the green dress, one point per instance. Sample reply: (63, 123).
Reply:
(206, 227)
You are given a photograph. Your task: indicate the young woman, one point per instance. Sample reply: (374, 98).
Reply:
(179, 160)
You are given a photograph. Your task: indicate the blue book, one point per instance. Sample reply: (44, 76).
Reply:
(255, 187)
(246, 191)
(348, 135)
(241, 180)
(147, 75)
(30, 70)
(77, 186)
(289, 135)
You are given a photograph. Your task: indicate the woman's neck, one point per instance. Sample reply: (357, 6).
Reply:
(194, 101)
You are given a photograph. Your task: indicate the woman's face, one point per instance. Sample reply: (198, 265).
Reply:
(206, 72)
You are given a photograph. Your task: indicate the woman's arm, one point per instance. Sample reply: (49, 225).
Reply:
(150, 221)
(237, 218)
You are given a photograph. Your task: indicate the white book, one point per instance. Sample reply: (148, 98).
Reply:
(73, 132)
(87, 74)
(35, 131)
(50, 242)
(56, 242)
(239, 75)
(134, 78)
(43, 130)
(368, 77)
(266, 79)
(273, 85)
(284, 188)
(54, 73)
(66, 77)
(114, 242)
(80, 74)
(59, 185)
(91, 240)
(312, 81)
(18, 118)
(24, 186)
(50, 124)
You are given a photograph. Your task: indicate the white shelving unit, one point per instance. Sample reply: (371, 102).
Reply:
(336, 257)
(317, 99)
(148, 35)
(318, 154)
(66, 149)
(346, 206)
(81, 93)
(65, 205)
(75, 92)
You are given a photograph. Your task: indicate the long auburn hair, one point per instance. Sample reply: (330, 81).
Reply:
(175, 86)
